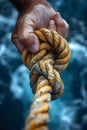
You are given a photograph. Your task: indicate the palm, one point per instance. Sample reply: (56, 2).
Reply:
(34, 18)
(39, 16)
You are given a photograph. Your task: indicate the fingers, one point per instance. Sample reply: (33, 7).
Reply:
(61, 25)
(30, 41)
(52, 25)
(15, 39)
(23, 36)
(26, 36)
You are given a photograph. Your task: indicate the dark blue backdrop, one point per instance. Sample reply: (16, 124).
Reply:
(70, 111)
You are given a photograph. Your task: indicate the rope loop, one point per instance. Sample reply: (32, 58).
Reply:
(45, 65)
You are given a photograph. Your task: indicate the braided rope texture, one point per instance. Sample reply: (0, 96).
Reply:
(45, 65)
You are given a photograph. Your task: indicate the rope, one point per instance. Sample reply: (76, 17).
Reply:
(53, 56)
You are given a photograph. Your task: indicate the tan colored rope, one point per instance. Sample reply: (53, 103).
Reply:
(45, 81)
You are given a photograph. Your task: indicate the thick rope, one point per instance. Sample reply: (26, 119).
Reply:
(45, 81)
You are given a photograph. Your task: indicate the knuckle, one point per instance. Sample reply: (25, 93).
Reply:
(22, 38)
(66, 24)
(58, 13)
(12, 37)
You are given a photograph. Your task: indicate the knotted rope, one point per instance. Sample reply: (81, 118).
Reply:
(45, 81)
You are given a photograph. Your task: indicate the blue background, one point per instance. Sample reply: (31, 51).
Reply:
(68, 112)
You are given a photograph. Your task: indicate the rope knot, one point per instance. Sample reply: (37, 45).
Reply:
(45, 66)
(52, 58)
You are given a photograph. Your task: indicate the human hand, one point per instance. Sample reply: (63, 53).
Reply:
(33, 18)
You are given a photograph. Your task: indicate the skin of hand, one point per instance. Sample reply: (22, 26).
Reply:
(34, 17)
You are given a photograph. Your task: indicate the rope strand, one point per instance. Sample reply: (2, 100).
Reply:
(45, 81)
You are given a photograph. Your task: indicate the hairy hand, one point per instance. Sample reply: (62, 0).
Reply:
(36, 17)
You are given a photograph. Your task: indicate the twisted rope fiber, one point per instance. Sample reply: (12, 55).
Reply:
(45, 81)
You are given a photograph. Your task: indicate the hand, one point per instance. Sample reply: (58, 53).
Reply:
(36, 17)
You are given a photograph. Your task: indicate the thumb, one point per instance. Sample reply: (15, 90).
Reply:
(26, 36)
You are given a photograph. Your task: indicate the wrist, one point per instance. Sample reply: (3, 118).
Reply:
(30, 3)
(25, 4)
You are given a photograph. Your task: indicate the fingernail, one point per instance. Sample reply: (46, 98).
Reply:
(52, 22)
(52, 25)
(34, 48)
(57, 15)
(33, 45)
